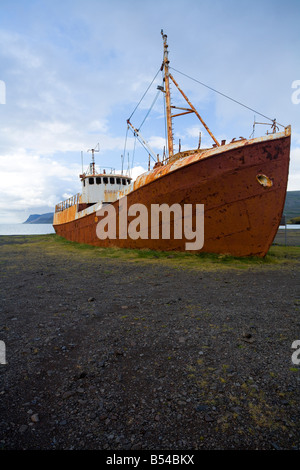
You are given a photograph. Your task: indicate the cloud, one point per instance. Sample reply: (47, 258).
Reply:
(33, 183)
(136, 171)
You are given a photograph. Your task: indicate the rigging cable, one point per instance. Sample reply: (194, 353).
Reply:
(144, 118)
(143, 95)
(133, 154)
(125, 143)
(226, 96)
(154, 101)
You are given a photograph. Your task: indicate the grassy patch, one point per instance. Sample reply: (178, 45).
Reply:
(282, 255)
(55, 245)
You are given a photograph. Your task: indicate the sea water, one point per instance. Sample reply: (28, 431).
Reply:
(26, 229)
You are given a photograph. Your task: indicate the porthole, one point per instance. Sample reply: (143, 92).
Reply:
(264, 180)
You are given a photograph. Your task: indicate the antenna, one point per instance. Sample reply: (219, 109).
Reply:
(96, 149)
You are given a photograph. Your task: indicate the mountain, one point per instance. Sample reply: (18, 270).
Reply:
(40, 219)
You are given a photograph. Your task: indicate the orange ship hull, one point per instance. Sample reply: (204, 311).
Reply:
(241, 215)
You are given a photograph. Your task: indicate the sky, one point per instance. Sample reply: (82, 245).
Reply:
(73, 71)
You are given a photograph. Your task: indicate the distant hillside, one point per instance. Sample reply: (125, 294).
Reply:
(292, 205)
(40, 219)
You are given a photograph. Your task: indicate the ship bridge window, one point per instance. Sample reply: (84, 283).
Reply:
(112, 180)
(84, 183)
(128, 181)
(118, 180)
(105, 180)
(98, 180)
(123, 181)
(91, 180)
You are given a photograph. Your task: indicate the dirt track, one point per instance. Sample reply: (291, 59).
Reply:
(107, 353)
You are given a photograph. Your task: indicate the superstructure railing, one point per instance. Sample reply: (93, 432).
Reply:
(71, 201)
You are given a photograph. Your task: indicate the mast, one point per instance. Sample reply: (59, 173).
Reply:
(191, 109)
(165, 65)
(92, 166)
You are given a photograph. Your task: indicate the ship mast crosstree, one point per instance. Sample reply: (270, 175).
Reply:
(169, 107)
(167, 76)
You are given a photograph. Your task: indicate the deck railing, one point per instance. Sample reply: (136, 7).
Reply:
(61, 206)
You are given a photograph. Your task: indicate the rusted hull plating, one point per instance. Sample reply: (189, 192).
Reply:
(241, 214)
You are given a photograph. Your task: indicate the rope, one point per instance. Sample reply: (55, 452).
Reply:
(226, 96)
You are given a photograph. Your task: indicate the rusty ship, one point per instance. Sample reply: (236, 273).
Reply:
(242, 185)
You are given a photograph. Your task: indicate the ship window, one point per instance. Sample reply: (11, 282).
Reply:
(123, 181)
(91, 180)
(112, 180)
(83, 182)
(105, 180)
(118, 180)
(98, 180)
(128, 181)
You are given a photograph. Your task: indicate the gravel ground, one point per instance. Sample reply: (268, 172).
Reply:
(104, 353)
